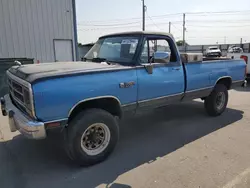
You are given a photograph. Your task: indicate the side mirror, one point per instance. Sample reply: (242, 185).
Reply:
(149, 68)
(161, 57)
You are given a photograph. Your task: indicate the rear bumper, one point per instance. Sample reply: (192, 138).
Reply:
(213, 54)
(244, 84)
(18, 121)
(236, 84)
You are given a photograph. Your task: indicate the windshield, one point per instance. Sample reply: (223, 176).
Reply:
(213, 48)
(114, 49)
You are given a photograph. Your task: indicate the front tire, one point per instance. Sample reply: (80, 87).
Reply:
(216, 103)
(91, 137)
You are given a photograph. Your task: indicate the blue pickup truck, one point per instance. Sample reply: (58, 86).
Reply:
(122, 73)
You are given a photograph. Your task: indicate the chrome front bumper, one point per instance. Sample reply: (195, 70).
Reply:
(18, 121)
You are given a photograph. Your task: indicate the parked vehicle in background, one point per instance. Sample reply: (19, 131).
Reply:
(213, 51)
(235, 49)
(244, 56)
(123, 73)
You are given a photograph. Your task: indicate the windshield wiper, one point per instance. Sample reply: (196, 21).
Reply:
(99, 60)
(85, 59)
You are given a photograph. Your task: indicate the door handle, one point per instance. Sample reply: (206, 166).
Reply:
(177, 68)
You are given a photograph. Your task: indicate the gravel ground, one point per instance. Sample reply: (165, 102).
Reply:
(172, 147)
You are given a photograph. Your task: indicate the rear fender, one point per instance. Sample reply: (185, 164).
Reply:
(226, 80)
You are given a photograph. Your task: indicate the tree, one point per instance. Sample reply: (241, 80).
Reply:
(180, 43)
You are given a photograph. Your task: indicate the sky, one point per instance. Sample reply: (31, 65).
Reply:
(207, 21)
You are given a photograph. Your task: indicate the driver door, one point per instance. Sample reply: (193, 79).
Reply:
(166, 83)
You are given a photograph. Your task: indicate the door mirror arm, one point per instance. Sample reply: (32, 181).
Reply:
(149, 68)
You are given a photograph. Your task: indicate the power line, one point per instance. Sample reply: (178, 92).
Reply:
(223, 21)
(210, 26)
(214, 37)
(164, 23)
(131, 24)
(103, 25)
(115, 21)
(171, 15)
(221, 12)
(176, 27)
(108, 28)
(152, 20)
(133, 18)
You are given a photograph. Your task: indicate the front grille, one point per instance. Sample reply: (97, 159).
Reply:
(20, 95)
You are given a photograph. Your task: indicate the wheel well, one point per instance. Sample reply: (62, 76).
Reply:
(111, 105)
(225, 81)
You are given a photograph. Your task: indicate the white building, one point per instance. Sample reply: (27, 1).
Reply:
(41, 29)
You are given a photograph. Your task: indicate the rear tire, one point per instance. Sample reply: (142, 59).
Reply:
(216, 103)
(91, 137)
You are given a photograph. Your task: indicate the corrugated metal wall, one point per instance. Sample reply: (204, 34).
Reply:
(28, 27)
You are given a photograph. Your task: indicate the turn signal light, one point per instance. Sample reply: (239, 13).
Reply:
(53, 125)
(246, 60)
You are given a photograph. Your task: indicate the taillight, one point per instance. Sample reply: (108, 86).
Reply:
(245, 58)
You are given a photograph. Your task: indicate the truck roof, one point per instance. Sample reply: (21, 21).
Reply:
(139, 33)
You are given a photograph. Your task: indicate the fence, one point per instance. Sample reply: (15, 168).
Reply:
(190, 48)
(223, 48)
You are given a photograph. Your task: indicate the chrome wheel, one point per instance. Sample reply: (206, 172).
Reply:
(95, 139)
(220, 100)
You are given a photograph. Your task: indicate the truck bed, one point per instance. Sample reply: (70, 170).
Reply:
(215, 58)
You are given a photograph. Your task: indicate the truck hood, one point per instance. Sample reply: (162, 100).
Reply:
(35, 72)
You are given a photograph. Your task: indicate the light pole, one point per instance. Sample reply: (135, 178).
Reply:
(143, 15)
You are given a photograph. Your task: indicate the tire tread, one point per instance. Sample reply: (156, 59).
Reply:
(210, 103)
(81, 123)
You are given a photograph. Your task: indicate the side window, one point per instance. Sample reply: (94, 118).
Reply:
(160, 51)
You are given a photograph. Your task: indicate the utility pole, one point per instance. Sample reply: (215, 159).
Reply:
(169, 27)
(184, 30)
(225, 40)
(143, 15)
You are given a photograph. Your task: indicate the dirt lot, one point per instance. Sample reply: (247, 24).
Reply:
(176, 146)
